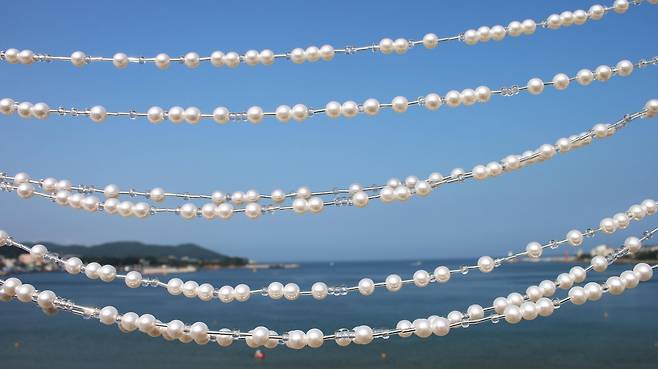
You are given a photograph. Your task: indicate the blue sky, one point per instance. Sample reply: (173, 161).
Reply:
(538, 203)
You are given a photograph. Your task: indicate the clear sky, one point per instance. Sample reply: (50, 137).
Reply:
(537, 203)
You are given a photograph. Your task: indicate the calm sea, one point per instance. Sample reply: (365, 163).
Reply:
(615, 332)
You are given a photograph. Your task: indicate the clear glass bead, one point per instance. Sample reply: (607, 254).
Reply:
(132, 114)
(557, 303)
(464, 269)
(494, 319)
(554, 245)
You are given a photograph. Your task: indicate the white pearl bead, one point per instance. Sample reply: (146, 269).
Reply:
(422, 328)
(620, 6)
(652, 108)
(299, 205)
(480, 172)
(608, 225)
(24, 292)
(498, 32)
(393, 183)
(494, 169)
(46, 299)
(432, 101)
(547, 287)
(25, 190)
(191, 60)
(225, 211)
(484, 34)
(512, 162)
(319, 290)
(141, 210)
(423, 188)
(205, 292)
(404, 325)
(386, 46)
(312, 54)
(624, 68)
(615, 285)
(40, 111)
(11, 56)
(578, 274)
(297, 56)
(440, 326)
(192, 115)
(251, 57)
(535, 86)
(73, 265)
(175, 286)
(393, 283)
(291, 291)
(283, 113)
(107, 273)
(594, 291)
(162, 61)
(97, 113)
(37, 252)
(190, 289)
(350, 109)
(314, 338)
(596, 12)
(108, 315)
(296, 340)
(621, 220)
(528, 26)
(225, 294)
(362, 335)
(199, 332)
(468, 97)
(637, 212)
(644, 271)
(275, 290)
(402, 193)
(366, 286)
(430, 40)
(129, 322)
(534, 293)
(470, 37)
(553, 21)
(75, 201)
(584, 77)
(231, 59)
(401, 45)
(629, 278)
(120, 60)
(566, 18)
(278, 195)
(387, 194)
(599, 263)
(603, 73)
(515, 29)
(529, 310)
(499, 304)
(175, 328)
(187, 211)
(176, 114)
(221, 115)
(299, 112)
(260, 335)
(7, 106)
(486, 264)
(561, 81)
(650, 206)
(534, 250)
(266, 57)
(575, 237)
(442, 274)
(475, 312)
(255, 114)
(332, 109)
(91, 270)
(133, 279)
(327, 52)
(421, 278)
(24, 109)
(453, 98)
(564, 281)
(483, 94)
(633, 244)
(360, 199)
(513, 314)
(26, 57)
(455, 316)
(400, 104)
(315, 204)
(111, 206)
(371, 106)
(217, 58)
(515, 298)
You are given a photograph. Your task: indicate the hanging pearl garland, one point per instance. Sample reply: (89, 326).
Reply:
(320, 290)
(332, 109)
(512, 309)
(303, 200)
(327, 52)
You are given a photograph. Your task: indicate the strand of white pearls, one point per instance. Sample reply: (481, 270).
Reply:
(320, 290)
(303, 200)
(333, 109)
(327, 52)
(199, 332)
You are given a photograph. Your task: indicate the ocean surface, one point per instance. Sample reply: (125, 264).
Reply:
(615, 332)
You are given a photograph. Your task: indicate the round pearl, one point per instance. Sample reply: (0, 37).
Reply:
(128, 322)
(652, 108)
(453, 98)
(561, 81)
(534, 293)
(155, 114)
(175, 286)
(624, 68)
(314, 338)
(486, 264)
(578, 274)
(253, 210)
(25, 190)
(146, 323)
(299, 205)
(593, 291)
(24, 292)
(553, 21)
(162, 61)
(97, 113)
(108, 315)
(327, 52)
(275, 290)
(107, 273)
(75, 201)
(191, 60)
(483, 94)
(535, 86)
(371, 106)
(251, 57)
(468, 97)
(401, 45)
(404, 325)
(225, 211)
(299, 112)
(37, 252)
(360, 199)
(266, 57)
(175, 329)
(566, 18)
(432, 101)
(366, 286)
(575, 237)
(515, 29)
(73, 265)
(221, 115)
(442, 274)
(141, 210)
(515, 298)
(24, 109)
(423, 188)
(120, 60)
(319, 290)
(21, 178)
(498, 32)
(545, 307)
(629, 278)
(584, 77)
(644, 272)
(494, 169)
(297, 55)
(11, 56)
(633, 244)
(393, 283)
(470, 37)
(621, 220)
(192, 115)
(188, 211)
(205, 292)
(529, 310)
(650, 206)
(393, 183)
(10, 286)
(133, 279)
(564, 281)
(603, 73)
(615, 285)
(608, 225)
(422, 328)
(386, 46)
(217, 58)
(231, 59)
(599, 263)
(46, 299)
(484, 33)
(620, 6)
(111, 206)
(176, 114)
(430, 40)
(190, 289)
(637, 212)
(332, 109)
(312, 54)
(400, 104)
(480, 172)
(440, 326)
(362, 335)
(296, 340)
(260, 335)
(421, 278)
(513, 314)
(528, 26)
(91, 270)
(475, 312)
(291, 291)
(26, 57)
(225, 294)
(7, 106)
(387, 194)
(596, 12)
(455, 316)
(402, 193)
(255, 114)
(157, 194)
(350, 109)
(547, 287)
(579, 17)
(577, 295)
(534, 250)
(40, 111)
(512, 162)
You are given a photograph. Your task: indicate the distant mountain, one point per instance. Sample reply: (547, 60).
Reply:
(132, 250)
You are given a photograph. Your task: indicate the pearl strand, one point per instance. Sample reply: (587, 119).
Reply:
(327, 52)
(333, 109)
(320, 290)
(302, 200)
(314, 338)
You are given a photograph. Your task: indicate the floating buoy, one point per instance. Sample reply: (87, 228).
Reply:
(259, 355)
